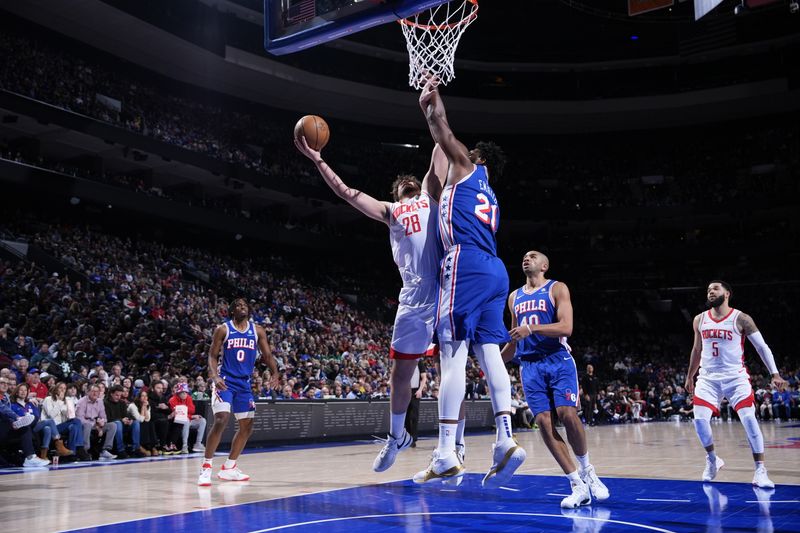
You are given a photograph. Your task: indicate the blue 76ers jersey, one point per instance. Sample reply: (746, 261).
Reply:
(239, 351)
(469, 213)
(537, 308)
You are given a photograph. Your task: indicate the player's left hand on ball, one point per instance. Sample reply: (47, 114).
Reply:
(519, 333)
(305, 149)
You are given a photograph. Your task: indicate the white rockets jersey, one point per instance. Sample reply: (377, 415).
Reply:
(413, 234)
(723, 344)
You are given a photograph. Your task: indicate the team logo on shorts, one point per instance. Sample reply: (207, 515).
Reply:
(571, 396)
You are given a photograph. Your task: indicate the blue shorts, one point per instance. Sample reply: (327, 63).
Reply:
(550, 382)
(236, 399)
(472, 297)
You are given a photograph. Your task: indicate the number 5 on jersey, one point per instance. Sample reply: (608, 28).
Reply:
(486, 211)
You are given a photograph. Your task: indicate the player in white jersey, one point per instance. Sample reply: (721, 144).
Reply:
(412, 220)
(718, 353)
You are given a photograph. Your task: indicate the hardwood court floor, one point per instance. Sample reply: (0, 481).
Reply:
(76, 497)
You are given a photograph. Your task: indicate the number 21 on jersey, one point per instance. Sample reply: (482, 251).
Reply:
(486, 211)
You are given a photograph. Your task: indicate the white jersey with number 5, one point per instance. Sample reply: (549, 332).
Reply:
(723, 344)
(412, 233)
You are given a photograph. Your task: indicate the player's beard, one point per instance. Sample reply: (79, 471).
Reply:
(716, 302)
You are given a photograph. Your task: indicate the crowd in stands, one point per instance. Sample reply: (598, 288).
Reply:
(687, 168)
(125, 346)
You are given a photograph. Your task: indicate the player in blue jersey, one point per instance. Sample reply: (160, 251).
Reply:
(541, 321)
(473, 287)
(241, 342)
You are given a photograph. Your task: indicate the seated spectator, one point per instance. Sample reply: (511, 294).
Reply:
(92, 414)
(159, 415)
(183, 416)
(687, 409)
(117, 413)
(15, 427)
(200, 392)
(522, 415)
(637, 406)
(139, 410)
(45, 430)
(665, 403)
(56, 408)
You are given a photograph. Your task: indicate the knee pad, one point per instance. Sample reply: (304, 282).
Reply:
(702, 425)
(748, 417)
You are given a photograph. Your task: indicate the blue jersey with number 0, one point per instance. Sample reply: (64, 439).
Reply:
(469, 214)
(239, 351)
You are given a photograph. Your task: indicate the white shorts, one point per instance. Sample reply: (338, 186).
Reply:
(712, 388)
(413, 324)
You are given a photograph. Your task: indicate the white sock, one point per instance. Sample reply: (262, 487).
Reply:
(583, 460)
(398, 425)
(208, 463)
(503, 423)
(447, 439)
(712, 455)
(574, 478)
(460, 431)
(229, 463)
(759, 464)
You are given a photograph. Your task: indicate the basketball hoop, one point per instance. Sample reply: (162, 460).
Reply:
(432, 37)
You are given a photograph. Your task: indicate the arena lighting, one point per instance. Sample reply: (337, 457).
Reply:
(634, 37)
(238, 236)
(402, 145)
(74, 200)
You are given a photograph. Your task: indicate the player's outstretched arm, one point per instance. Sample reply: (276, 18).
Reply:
(365, 203)
(437, 173)
(694, 357)
(561, 328)
(213, 357)
(266, 354)
(748, 328)
(510, 349)
(432, 106)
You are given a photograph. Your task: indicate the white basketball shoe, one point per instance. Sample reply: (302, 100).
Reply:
(388, 453)
(761, 480)
(461, 453)
(205, 477)
(441, 468)
(712, 468)
(507, 457)
(232, 474)
(597, 487)
(581, 495)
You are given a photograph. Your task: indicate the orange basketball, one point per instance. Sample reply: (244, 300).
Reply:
(314, 129)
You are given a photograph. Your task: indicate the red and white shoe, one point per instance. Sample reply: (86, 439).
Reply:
(205, 477)
(232, 474)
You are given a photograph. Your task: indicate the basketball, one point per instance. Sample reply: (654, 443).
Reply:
(314, 129)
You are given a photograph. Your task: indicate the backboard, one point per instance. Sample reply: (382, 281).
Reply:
(293, 25)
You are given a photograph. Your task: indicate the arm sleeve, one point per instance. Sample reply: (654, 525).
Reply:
(763, 351)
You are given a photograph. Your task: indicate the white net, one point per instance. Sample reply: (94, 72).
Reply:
(432, 37)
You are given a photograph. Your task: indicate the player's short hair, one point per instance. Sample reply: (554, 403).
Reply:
(400, 179)
(725, 286)
(233, 304)
(493, 156)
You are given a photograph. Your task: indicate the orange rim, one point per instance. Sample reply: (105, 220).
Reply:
(430, 27)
